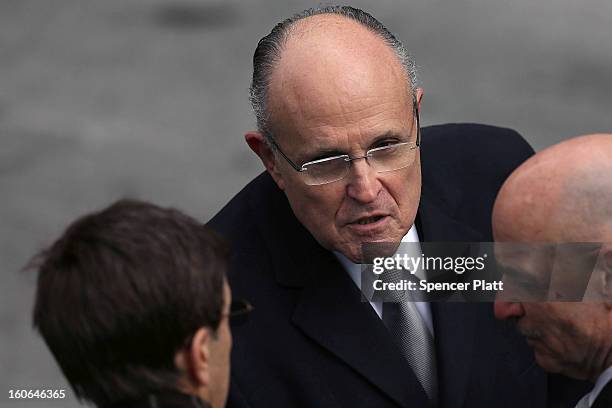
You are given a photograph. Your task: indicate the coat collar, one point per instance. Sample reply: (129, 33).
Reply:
(434, 223)
(295, 252)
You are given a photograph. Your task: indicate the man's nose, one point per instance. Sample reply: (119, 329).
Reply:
(363, 185)
(508, 310)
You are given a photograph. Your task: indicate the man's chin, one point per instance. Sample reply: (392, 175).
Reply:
(547, 362)
(365, 252)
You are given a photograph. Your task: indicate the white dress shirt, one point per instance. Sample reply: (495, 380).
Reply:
(588, 400)
(354, 271)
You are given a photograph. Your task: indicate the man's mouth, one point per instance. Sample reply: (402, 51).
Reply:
(368, 225)
(369, 220)
(530, 334)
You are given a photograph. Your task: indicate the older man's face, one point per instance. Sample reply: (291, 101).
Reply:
(566, 336)
(354, 99)
(563, 334)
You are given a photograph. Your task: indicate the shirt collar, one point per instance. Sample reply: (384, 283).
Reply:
(354, 270)
(603, 379)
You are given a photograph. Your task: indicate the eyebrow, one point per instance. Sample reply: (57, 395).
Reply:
(325, 152)
(389, 135)
(321, 153)
(524, 279)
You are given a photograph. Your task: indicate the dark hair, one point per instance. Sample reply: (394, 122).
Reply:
(119, 293)
(268, 53)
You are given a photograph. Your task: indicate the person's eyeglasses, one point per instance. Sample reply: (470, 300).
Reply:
(382, 159)
(238, 314)
(239, 311)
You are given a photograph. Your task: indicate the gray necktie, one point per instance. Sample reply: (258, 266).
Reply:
(412, 336)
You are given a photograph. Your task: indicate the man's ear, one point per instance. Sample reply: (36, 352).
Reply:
(198, 355)
(419, 97)
(257, 143)
(606, 272)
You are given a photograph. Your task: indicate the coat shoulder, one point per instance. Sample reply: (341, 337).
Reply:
(476, 145)
(464, 165)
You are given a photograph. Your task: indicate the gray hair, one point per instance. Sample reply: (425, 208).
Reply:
(268, 52)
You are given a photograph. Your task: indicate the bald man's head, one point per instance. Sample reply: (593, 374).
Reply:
(562, 194)
(322, 24)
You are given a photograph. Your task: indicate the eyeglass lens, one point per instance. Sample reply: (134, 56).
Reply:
(384, 159)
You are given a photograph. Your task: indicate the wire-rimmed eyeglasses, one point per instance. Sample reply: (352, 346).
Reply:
(383, 159)
(238, 313)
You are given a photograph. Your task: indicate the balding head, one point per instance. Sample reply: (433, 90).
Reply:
(562, 194)
(315, 21)
(327, 59)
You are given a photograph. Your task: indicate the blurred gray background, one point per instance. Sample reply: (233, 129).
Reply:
(148, 99)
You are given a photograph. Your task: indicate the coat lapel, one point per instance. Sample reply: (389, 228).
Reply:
(454, 323)
(333, 315)
(455, 328)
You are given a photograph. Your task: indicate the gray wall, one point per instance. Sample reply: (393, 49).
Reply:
(99, 100)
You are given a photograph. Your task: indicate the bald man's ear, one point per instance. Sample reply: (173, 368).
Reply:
(606, 272)
(257, 143)
(419, 97)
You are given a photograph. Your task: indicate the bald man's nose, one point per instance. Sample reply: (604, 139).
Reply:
(508, 310)
(363, 185)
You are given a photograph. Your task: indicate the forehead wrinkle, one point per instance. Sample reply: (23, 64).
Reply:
(294, 95)
(329, 107)
(355, 141)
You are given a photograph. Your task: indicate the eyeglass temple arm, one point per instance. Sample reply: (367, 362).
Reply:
(277, 147)
(418, 139)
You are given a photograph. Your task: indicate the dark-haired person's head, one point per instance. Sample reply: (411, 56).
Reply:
(133, 303)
